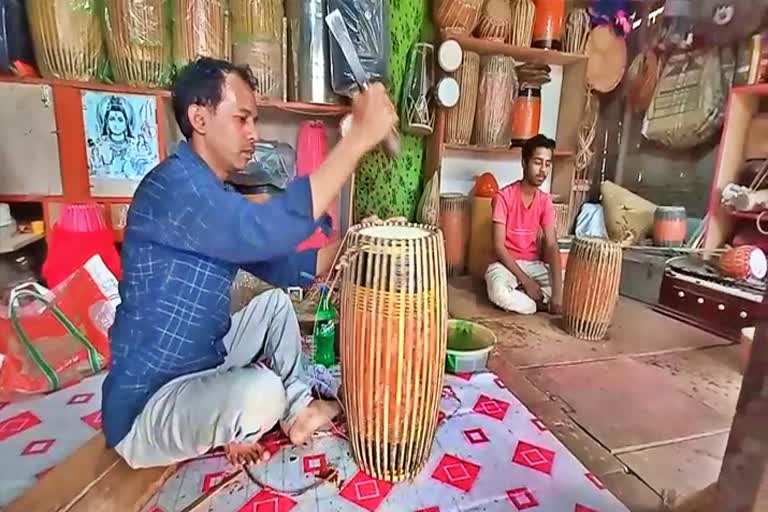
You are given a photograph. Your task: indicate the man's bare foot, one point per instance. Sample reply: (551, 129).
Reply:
(245, 453)
(314, 416)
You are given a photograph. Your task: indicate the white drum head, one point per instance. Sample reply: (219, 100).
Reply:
(448, 91)
(758, 265)
(450, 55)
(394, 232)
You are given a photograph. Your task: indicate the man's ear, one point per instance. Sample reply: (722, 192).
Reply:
(198, 117)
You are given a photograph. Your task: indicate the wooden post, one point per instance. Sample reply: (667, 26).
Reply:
(743, 482)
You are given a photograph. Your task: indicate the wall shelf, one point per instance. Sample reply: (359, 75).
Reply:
(505, 152)
(300, 108)
(519, 53)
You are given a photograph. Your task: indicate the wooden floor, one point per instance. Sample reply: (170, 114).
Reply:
(647, 410)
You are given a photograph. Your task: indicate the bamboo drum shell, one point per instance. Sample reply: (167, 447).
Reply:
(66, 40)
(523, 12)
(496, 93)
(577, 25)
(460, 120)
(458, 15)
(200, 29)
(455, 223)
(257, 42)
(669, 226)
(393, 345)
(591, 288)
(495, 21)
(139, 42)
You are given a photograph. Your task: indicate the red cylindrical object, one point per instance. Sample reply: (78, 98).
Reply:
(669, 226)
(526, 115)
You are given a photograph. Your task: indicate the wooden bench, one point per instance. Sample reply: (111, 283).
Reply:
(92, 479)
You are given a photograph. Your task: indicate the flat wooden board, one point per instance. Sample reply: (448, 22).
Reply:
(539, 340)
(633, 492)
(92, 479)
(712, 376)
(628, 404)
(682, 468)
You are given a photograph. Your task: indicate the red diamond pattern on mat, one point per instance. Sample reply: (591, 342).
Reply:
(464, 375)
(522, 498)
(456, 472)
(430, 509)
(274, 440)
(491, 407)
(365, 491)
(80, 398)
(539, 425)
(38, 447)
(582, 508)
(16, 424)
(93, 420)
(157, 509)
(315, 464)
(268, 501)
(448, 392)
(499, 383)
(476, 436)
(534, 457)
(596, 481)
(211, 479)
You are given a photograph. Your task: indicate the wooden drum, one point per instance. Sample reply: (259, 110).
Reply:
(669, 226)
(455, 210)
(496, 94)
(460, 120)
(393, 344)
(591, 287)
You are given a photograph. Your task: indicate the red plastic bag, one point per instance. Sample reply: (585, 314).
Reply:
(58, 338)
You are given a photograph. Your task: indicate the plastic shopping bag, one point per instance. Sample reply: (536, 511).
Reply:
(59, 337)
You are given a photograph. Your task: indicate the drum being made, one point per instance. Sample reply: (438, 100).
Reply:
(393, 345)
(591, 288)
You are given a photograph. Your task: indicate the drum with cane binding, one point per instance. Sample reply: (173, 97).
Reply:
(393, 344)
(591, 287)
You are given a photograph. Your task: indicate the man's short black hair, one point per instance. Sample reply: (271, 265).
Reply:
(537, 141)
(200, 83)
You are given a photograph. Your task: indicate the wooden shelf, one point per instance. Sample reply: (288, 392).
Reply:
(288, 106)
(519, 53)
(507, 152)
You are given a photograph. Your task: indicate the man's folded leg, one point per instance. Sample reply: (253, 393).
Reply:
(193, 414)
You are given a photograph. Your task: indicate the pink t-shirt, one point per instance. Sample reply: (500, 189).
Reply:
(522, 223)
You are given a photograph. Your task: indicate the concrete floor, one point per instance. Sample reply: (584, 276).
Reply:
(648, 410)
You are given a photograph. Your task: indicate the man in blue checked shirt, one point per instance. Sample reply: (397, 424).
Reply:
(185, 376)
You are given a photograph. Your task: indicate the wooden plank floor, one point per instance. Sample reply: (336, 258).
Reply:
(656, 392)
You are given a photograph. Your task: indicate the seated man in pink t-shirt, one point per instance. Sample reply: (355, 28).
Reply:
(522, 280)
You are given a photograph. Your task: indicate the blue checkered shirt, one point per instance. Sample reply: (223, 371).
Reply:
(187, 234)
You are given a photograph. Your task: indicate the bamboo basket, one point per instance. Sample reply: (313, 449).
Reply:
(591, 287)
(496, 94)
(495, 21)
(66, 38)
(139, 41)
(200, 29)
(460, 119)
(522, 12)
(459, 16)
(257, 42)
(393, 345)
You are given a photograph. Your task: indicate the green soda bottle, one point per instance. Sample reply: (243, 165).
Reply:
(324, 332)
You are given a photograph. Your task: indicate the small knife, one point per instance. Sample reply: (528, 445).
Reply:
(339, 30)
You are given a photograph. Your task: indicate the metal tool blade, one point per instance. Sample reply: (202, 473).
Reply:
(339, 30)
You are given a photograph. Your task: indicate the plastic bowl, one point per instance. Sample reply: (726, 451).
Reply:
(469, 345)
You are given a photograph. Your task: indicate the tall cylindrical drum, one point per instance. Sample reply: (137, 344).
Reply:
(200, 28)
(455, 221)
(548, 24)
(669, 226)
(480, 252)
(591, 288)
(525, 118)
(257, 27)
(309, 78)
(393, 344)
(460, 119)
(496, 93)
